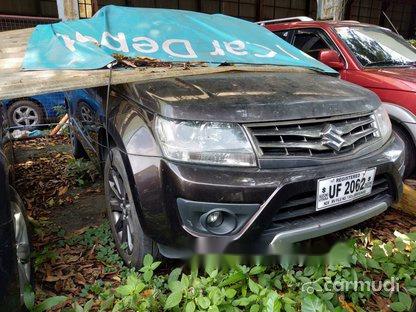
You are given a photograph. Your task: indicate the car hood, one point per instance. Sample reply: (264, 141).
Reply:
(253, 97)
(403, 78)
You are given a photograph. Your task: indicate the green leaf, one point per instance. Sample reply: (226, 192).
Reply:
(174, 275)
(125, 290)
(213, 273)
(213, 309)
(147, 260)
(254, 287)
(309, 271)
(132, 279)
(173, 300)
(241, 302)
(147, 276)
(398, 307)
(272, 303)
(155, 265)
(215, 295)
(412, 291)
(289, 308)
(28, 297)
(176, 286)
(255, 308)
(190, 307)
(77, 307)
(185, 281)
(107, 304)
(230, 293)
(49, 303)
(371, 263)
(312, 303)
(232, 279)
(413, 255)
(405, 299)
(203, 302)
(88, 305)
(327, 296)
(278, 284)
(257, 270)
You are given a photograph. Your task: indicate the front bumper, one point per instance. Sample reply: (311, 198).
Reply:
(272, 206)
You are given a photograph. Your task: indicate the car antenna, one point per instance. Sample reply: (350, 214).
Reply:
(390, 23)
(110, 68)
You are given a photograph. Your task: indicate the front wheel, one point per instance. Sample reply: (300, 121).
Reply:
(409, 150)
(131, 242)
(78, 150)
(25, 113)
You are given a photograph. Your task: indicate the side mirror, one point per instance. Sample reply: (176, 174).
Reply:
(331, 58)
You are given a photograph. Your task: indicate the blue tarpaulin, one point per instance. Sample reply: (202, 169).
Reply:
(167, 35)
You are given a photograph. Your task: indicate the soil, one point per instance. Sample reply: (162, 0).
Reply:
(86, 206)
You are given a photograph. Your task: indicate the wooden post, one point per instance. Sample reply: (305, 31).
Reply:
(330, 9)
(67, 9)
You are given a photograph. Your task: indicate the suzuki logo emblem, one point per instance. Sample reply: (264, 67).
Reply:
(332, 137)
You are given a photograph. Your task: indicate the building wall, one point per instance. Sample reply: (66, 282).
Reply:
(401, 12)
(46, 8)
(248, 9)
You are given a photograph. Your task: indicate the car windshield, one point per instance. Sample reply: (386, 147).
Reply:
(375, 46)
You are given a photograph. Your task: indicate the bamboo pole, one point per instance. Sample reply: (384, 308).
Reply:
(59, 125)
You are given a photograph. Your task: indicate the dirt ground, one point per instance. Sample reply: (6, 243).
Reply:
(73, 246)
(82, 207)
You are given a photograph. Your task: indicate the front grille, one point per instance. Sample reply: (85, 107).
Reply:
(309, 138)
(303, 204)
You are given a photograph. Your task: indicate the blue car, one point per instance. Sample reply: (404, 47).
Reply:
(36, 110)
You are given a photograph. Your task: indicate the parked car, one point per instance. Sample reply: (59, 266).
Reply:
(15, 267)
(241, 159)
(247, 168)
(35, 110)
(370, 56)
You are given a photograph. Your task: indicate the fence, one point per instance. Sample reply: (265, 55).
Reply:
(10, 22)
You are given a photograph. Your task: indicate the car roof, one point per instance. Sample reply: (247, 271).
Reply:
(323, 24)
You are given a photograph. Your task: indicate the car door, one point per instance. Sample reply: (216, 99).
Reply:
(312, 41)
(86, 117)
(9, 285)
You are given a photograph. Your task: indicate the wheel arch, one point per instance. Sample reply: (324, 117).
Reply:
(402, 118)
(38, 103)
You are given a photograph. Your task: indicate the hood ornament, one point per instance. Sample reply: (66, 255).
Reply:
(332, 137)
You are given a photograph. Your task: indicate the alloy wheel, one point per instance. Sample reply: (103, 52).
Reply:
(25, 116)
(86, 113)
(120, 205)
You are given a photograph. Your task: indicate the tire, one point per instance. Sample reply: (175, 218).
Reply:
(131, 242)
(409, 151)
(85, 113)
(78, 150)
(25, 113)
(22, 231)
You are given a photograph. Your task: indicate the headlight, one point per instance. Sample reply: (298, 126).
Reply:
(216, 143)
(383, 123)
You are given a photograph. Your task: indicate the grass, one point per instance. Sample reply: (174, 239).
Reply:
(236, 287)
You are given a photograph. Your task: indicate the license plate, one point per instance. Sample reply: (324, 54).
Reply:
(343, 189)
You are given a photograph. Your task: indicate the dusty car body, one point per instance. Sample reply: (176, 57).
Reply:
(15, 268)
(266, 197)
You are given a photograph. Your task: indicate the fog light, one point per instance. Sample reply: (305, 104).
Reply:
(214, 219)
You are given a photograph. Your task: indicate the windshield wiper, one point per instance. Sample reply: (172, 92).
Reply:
(386, 63)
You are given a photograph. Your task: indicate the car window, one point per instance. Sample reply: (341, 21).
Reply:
(311, 41)
(375, 46)
(284, 34)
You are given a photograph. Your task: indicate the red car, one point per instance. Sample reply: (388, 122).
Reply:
(368, 55)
